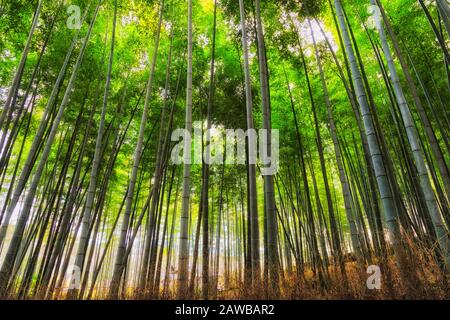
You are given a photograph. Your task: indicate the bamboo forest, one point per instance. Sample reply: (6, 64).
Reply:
(224, 149)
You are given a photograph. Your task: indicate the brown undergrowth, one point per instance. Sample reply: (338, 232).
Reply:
(425, 278)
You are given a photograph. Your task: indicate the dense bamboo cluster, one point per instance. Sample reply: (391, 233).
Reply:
(93, 206)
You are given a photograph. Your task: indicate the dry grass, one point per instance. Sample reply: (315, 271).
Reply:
(423, 279)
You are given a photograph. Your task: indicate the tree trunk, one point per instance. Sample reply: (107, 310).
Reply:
(417, 151)
(183, 261)
(10, 257)
(269, 193)
(253, 208)
(120, 261)
(12, 94)
(387, 199)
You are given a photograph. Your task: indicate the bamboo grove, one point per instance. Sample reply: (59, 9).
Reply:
(93, 207)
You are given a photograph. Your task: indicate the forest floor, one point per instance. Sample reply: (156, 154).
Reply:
(424, 278)
(426, 282)
(428, 285)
